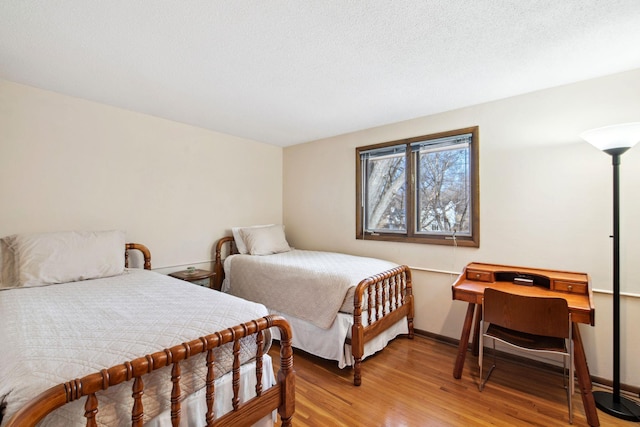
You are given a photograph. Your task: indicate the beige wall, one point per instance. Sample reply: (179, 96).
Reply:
(67, 163)
(70, 164)
(545, 201)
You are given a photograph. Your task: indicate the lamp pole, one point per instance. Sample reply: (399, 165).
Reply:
(615, 160)
(615, 140)
(613, 403)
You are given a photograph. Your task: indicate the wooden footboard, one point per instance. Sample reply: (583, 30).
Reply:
(385, 298)
(280, 397)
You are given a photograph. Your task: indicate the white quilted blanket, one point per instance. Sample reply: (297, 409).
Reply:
(310, 285)
(56, 333)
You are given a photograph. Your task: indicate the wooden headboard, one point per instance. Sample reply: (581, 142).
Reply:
(140, 247)
(217, 265)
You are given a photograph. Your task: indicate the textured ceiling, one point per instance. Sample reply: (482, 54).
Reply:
(287, 71)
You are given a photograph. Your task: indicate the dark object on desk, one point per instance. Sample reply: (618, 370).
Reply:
(523, 279)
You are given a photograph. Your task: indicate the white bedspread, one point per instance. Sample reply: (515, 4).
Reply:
(310, 285)
(55, 333)
(330, 343)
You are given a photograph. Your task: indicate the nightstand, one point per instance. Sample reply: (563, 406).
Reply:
(198, 277)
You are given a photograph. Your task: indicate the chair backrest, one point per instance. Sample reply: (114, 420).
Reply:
(534, 315)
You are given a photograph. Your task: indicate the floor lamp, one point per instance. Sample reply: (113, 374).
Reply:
(615, 140)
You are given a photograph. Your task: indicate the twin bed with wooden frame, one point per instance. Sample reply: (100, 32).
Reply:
(199, 360)
(377, 307)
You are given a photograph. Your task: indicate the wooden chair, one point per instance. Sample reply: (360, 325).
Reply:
(536, 324)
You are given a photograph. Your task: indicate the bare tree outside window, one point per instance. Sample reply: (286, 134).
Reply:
(386, 182)
(443, 189)
(422, 190)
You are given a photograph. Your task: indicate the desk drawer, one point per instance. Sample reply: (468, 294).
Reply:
(479, 276)
(572, 287)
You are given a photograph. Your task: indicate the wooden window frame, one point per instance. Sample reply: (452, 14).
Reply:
(411, 236)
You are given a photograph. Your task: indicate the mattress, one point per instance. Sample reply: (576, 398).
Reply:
(52, 334)
(310, 285)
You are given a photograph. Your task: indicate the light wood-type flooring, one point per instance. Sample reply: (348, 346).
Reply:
(410, 383)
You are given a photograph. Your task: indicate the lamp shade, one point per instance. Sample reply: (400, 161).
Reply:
(614, 137)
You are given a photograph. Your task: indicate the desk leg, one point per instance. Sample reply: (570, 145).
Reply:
(464, 342)
(584, 379)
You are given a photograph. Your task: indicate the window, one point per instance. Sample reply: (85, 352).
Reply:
(421, 190)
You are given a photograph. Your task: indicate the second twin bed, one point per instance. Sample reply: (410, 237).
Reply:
(340, 307)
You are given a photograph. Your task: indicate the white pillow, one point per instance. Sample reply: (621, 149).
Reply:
(48, 258)
(265, 240)
(237, 236)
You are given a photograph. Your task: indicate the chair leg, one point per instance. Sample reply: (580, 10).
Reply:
(565, 373)
(571, 381)
(480, 353)
(568, 378)
(572, 369)
(493, 366)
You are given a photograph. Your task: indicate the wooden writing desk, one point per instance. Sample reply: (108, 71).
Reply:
(573, 287)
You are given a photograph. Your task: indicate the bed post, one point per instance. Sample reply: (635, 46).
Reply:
(357, 336)
(286, 374)
(217, 264)
(146, 254)
(409, 301)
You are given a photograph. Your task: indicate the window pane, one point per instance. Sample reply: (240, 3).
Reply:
(385, 198)
(444, 188)
(422, 189)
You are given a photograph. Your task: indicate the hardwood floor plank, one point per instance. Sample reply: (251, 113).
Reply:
(411, 383)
